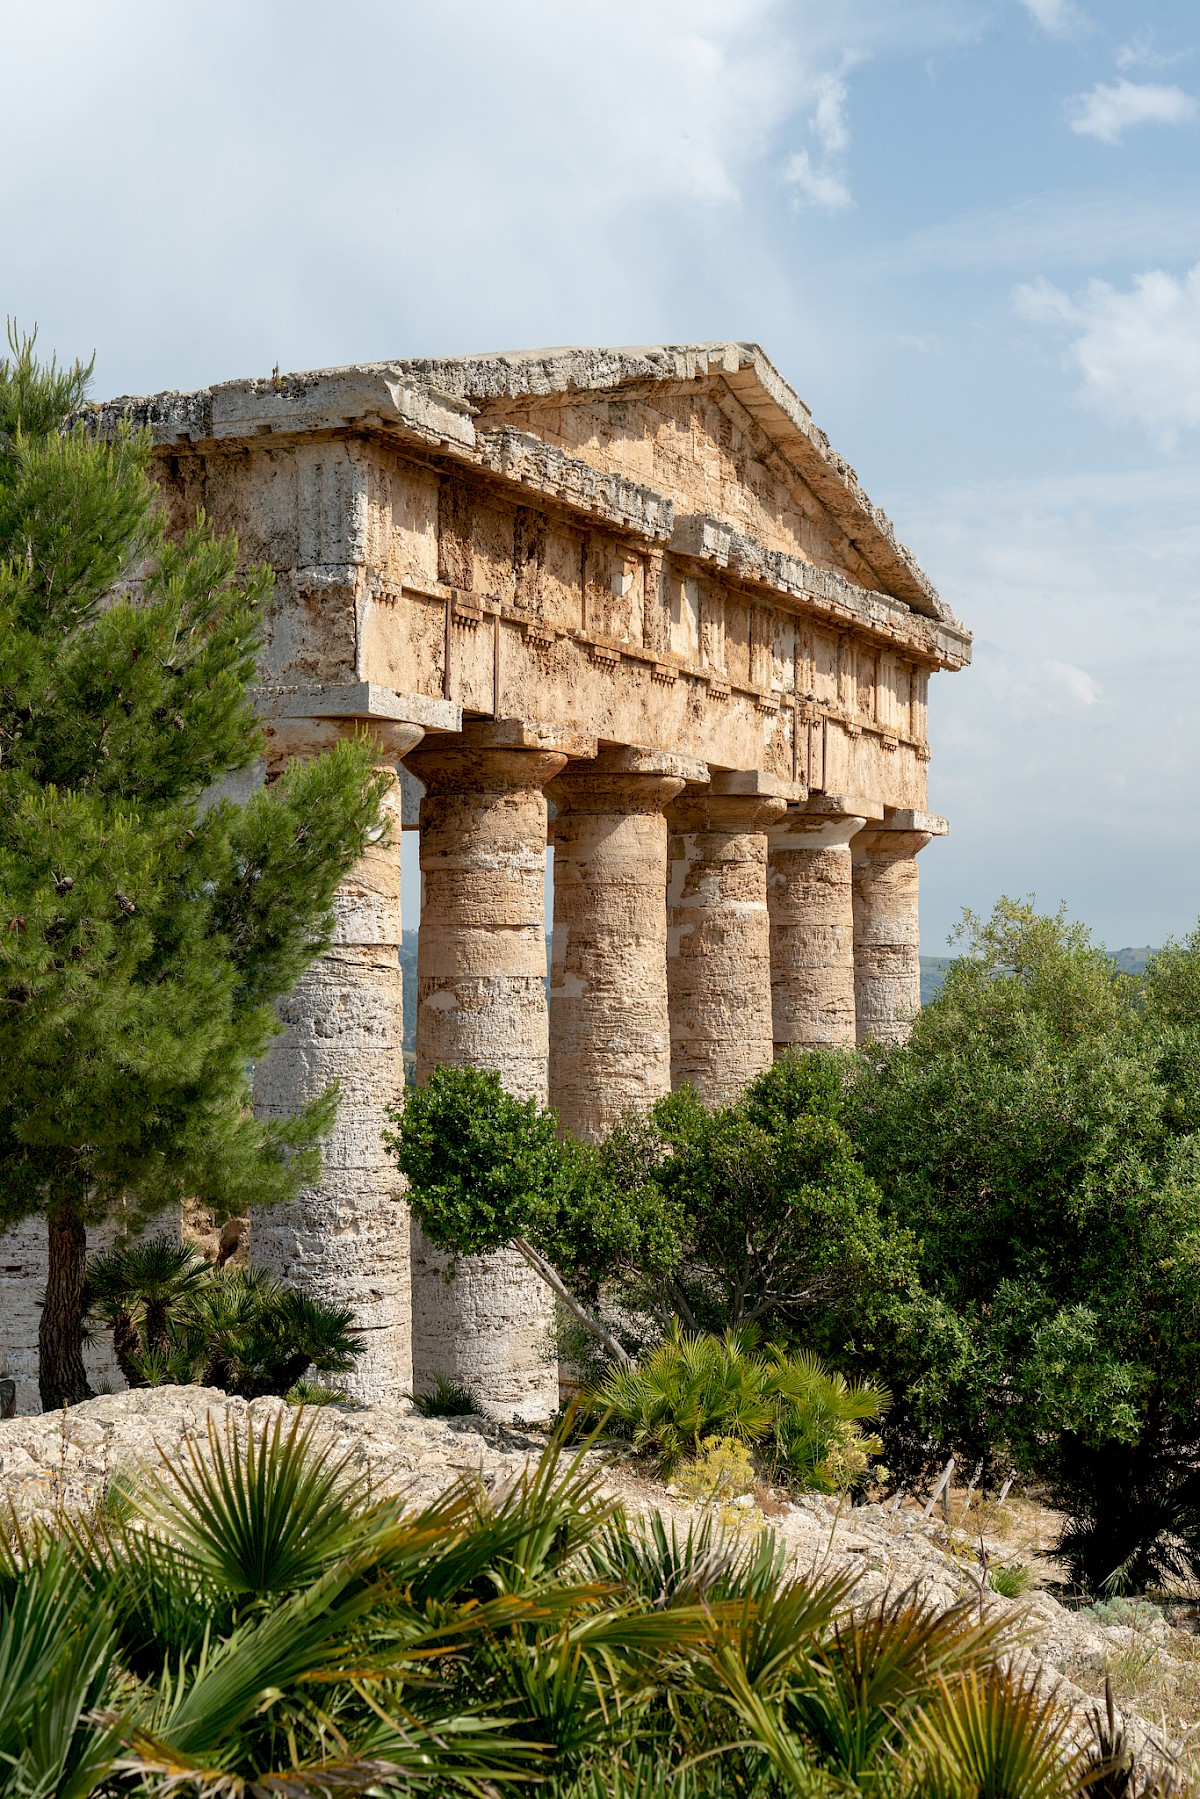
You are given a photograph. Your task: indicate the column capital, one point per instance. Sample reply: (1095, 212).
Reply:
(620, 783)
(697, 810)
(634, 759)
(526, 734)
(454, 766)
(888, 844)
(841, 805)
(799, 829)
(760, 783)
(365, 700)
(291, 739)
(902, 818)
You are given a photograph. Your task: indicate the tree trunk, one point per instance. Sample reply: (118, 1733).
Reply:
(156, 1325)
(62, 1379)
(126, 1346)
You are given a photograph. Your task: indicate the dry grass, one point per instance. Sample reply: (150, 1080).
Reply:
(1160, 1682)
(1156, 1675)
(1020, 1532)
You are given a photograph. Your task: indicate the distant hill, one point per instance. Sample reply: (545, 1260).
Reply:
(1132, 961)
(933, 968)
(933, 973)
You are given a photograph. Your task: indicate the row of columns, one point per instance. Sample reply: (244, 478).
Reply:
(701, 927)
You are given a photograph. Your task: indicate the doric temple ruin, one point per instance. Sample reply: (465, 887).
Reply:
(629, 603)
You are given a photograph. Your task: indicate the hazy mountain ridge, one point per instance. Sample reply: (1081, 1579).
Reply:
(933, 973)
(1129, 960)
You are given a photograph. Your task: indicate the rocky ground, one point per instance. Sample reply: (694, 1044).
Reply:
(66, 1460)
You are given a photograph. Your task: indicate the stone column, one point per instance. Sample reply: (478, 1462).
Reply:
(812, 925)
(610, 1034)
(718, 934)
(481, 1001)
(887, 935)
(347, 1239)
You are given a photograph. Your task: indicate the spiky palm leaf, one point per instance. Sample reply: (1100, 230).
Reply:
(57, 1667)
(142, 1281)
(652, 1561)
(262, 1511)
(992, 1736)
(878, 1664)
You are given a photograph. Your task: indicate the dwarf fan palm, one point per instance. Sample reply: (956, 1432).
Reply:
(250, 1620)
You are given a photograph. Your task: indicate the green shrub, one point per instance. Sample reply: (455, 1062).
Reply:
(179, 1320)
(447, 1399)
(1038, 1135)
(314, 1392)
(804, 1421)
(249, 1620)
(753, 1212)
(1138, 1614)
(1011, 1580)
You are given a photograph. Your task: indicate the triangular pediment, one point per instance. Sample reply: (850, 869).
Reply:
(714, 428)
(709, 433)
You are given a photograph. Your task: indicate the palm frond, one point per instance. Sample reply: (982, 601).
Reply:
(264, 1511)
(993, 1735)
(57, 1667)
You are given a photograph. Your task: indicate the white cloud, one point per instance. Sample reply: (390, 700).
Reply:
(1061, 18)
(816, 183)
(481, 174)
(1074, 684)
(1041, 303)
(1109, 111)
(821, 181)
(1137, 349)
(829, 117)
(1064, 757)
(1139, 53)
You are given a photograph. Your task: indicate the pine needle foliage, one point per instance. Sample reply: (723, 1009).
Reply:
(143, 934)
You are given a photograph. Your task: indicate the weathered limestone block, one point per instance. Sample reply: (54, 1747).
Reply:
(887, 934)
(812, 927)
(610, 1034)
(347, 1239)
(481, 1002)
(718, 937)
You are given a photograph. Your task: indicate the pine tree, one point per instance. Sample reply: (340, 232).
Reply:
(143, 933)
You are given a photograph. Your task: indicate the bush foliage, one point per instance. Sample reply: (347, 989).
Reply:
(999, 1220)
(248, 1620)
(178, 1319)
(1037, 1137)
(805, 1422)
(754, 1212)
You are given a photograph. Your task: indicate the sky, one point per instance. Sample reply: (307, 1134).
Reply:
(967, 231)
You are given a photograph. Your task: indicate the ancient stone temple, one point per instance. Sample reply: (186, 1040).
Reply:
(629, 603)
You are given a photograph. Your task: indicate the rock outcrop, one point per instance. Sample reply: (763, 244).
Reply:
(63, 1462)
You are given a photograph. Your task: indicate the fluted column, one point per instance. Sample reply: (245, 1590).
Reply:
(809, 899)
(481, 1002)
(346, 1239)
(610, 1034)
(718, 937)
(887, 934)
